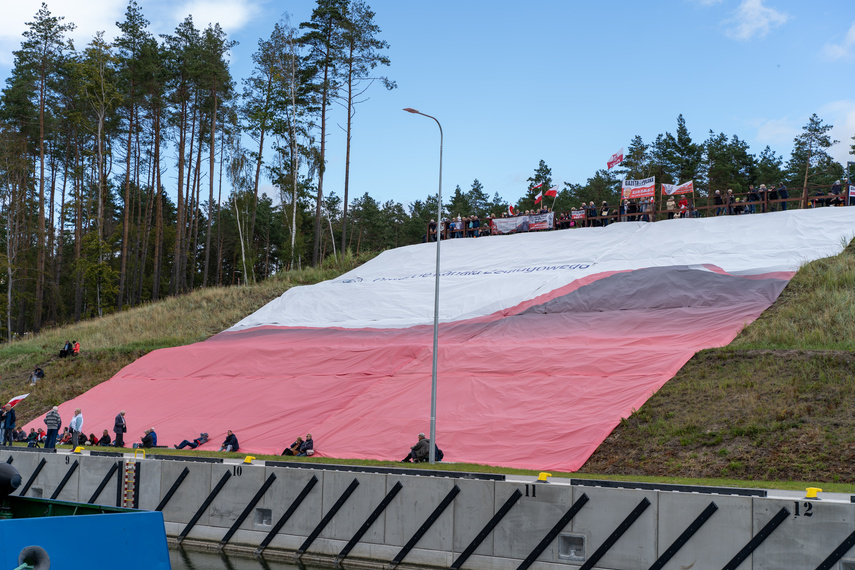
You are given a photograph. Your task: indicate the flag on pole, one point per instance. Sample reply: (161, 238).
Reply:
(510, 210)
(616, 159)
(535, 187)
(552, 191)
(14, 401)
(538, 198)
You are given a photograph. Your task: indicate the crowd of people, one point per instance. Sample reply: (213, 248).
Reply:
(756, 200)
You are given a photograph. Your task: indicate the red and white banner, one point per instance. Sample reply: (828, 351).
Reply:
(577, 214)
(685, 188)
(638, 188)
(523, 223)
(616, 159)
(553, 192)
(852, 191)
(14, 401)
(538, 198)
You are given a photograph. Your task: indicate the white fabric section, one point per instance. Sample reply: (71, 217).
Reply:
(483, 275)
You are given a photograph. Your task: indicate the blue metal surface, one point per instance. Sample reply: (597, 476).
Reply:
(131, 541)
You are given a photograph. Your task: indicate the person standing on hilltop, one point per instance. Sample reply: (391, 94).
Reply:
(120, 428)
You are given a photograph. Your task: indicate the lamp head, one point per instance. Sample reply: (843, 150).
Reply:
(409, 110)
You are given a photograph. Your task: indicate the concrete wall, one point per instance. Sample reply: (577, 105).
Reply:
(807, 536)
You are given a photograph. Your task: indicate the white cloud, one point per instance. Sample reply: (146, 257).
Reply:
(752, 20)
(841, 114)
(777, 132)
(232, 15)
(844, 49)
(89, 17)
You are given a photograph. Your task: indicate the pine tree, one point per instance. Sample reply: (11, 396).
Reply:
(43, 49)
(810, 158)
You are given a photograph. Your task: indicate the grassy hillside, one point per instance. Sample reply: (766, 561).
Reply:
(777, 403)
(111, 342)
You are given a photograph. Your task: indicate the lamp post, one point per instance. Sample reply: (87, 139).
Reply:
(432, 452)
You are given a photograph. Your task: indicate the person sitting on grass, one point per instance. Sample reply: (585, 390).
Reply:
(294, 448)
(66, 436)
(307, 447)
(419, 452)
(231, 442)
(149, 439)
(203, 438)
(105, 439)
(33, 438)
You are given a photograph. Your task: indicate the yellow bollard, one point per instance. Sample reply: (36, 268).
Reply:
(811, 492)
(542, 477)
(248, 459)
(78, 449)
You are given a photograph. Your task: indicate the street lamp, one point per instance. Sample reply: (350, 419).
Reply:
(432, 453)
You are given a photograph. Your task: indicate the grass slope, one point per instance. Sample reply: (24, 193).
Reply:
(777, 403)
(110, 343)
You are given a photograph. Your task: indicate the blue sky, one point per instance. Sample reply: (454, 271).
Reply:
(566, 81)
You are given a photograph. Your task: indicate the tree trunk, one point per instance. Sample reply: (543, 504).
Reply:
(211, 188)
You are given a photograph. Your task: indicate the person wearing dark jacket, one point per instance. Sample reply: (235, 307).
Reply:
(307, 447)
(105, 439)
(418, 452)
(119, 428)
(203, 438)
(8, 424)
(148, 439)
(53, 422)
(231, 442)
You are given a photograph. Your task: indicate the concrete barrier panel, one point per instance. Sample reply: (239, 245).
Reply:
(288, 485)
(241, 487)
(360, 504)
(806, 537)
(192, 492)
(604, 512)
(149, 484)
(474, 506)
(52, 474)
(541, 506)
(26, 464)
(731, 524)
(412, 506)
(92, 472)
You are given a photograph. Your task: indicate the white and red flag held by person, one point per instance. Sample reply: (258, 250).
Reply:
(510, 210)
(638, 188)
(616, 159)
(684, 188)
(538, 198)
(14, 401)
(553, 192)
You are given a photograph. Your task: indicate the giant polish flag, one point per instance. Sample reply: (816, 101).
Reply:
(638, 188)
(546, 340)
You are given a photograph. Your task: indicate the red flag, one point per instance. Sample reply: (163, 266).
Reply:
(538, 198)
(553, 192)
(14, 401)
(510, 210)
(616, 159)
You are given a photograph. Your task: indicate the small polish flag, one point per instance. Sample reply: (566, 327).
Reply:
(535, 187)
(510, 210)
(14, 401)
(616, 159)
(538, 198)
(553, 192)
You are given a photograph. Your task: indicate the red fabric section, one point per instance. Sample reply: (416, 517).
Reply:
(536, 387)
